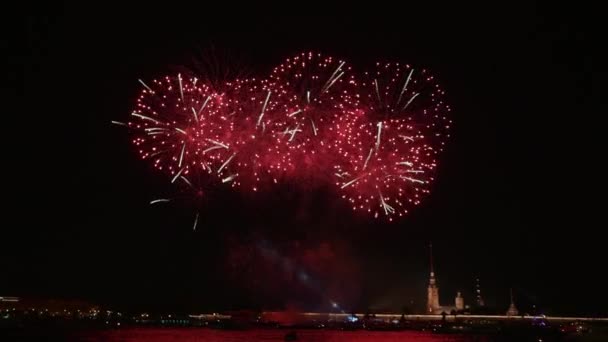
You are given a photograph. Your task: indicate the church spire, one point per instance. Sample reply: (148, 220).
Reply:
(479, 299)
(432, 303)
(512, 311)
(432, 281)
(431, 256)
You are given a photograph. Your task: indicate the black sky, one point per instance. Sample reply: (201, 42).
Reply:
(516, 200)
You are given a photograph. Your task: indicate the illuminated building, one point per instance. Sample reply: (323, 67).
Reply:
(479, 300)
(9, 299)
(432, 303)
(512, 309)
(459, 302)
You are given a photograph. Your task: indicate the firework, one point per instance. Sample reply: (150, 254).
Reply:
(387, 156)
(253, 108)
(318, 90)
(379, 172)
(179, 126)
(377, 140)
(398, 91)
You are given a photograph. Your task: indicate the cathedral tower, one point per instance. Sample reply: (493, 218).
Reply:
(432, 302)
(512, 309)
(459, 302)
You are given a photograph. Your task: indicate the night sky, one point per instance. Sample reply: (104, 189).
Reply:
(516, 201)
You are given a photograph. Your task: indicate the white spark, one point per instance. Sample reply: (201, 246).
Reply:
(387, 208)
(181, 155)
(294, 113)
(157, 153)
(352, 181)
(414, 171)
(156, 130)
(413, 180)
(226, 163)
(294, 131)
(180, 130)
(404, 137)
(371, 150)
(404, 163)
(146, 118)
(160, 200)
(308, 96)
(263, 109)
(145, 85)
(334, 81)
(212, 148)
(377, 91)
(379, 124)
(410, 101)
(229, 178)
(405, 86)
(178, 174)
(215, 142)
(194, 113)
(181, 90)
(338, 69)
(314, 127)
(203, 106)
(195, 222)
(119, 123)
(186, 180)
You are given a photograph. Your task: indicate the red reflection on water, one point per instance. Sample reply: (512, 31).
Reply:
(208, 335)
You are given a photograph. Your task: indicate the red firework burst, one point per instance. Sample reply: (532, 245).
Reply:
(377, 140)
